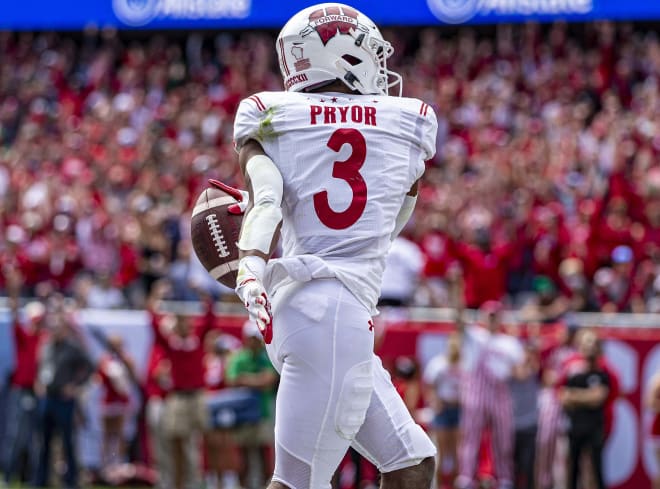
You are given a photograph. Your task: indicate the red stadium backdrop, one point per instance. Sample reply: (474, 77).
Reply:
(633, 352)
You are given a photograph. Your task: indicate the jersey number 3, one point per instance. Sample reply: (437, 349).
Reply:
(349, 171)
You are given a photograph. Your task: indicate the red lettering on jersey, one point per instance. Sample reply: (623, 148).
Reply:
(370, 116)
(314, 111)
(356, 114)
(343, 111)
(329, 115)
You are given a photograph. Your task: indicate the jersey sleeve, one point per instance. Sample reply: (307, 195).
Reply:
(254, 120)
(426, 132)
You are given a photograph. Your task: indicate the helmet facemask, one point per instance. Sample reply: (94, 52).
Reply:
(382, 51)
(378, 51)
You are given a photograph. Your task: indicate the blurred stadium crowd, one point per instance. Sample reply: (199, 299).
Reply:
(545, 192)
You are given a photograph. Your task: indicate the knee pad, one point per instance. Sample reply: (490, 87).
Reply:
(354, 399)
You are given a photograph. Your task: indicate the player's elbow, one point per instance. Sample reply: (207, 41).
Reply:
(268, 199)
(260, 227)
(267, 214)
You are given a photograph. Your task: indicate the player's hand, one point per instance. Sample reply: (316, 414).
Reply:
(256, 301)
(251, 291)
(241, 196)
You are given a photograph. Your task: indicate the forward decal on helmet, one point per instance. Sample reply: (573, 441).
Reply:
(331, 21)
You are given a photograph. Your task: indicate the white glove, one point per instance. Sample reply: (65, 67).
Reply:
(253, 294)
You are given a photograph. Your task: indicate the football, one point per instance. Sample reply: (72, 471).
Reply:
(214, 233)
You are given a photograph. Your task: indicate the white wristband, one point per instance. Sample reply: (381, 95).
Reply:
(253, 265)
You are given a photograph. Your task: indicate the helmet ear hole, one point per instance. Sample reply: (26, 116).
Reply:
(351, 60)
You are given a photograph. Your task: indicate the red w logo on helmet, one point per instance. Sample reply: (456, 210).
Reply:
(330, 21)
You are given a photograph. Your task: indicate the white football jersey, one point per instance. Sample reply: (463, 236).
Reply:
(347, 162)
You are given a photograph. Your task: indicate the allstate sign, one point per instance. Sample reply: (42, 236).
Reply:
(214, 14)
(137, 13)
(454, 11)
(460, 11)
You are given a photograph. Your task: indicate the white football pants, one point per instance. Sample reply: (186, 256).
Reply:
(333, 392)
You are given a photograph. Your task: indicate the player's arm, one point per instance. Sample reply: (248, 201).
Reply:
(406, 210)
(259, 232)
(263, 215)
(159, 291)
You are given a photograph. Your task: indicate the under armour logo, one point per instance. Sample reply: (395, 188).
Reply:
(371, 325)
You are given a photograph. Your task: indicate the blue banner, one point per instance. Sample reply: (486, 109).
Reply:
(216, 14)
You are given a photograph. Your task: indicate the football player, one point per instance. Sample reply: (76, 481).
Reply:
(333, 164)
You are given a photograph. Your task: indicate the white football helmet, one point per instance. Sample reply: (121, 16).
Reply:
(332, 41)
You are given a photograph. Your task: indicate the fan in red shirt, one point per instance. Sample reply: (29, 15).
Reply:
(27, 339)
(611, 227)
(185, 410)
(115, 376)
(13, 257)
(485, 267)
(156, 387)
(183, 346)
(549, 239)
(21, 412)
